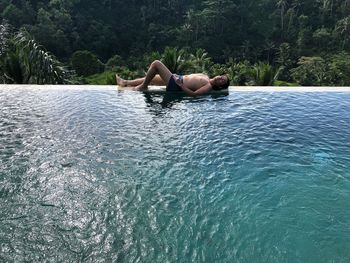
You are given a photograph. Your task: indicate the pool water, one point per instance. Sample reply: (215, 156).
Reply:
(97, 175)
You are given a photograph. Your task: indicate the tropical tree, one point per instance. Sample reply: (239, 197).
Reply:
(322, 38)
(216, 13)
(201, 61)
(311, 71)
(343, 28)
(176, 60)
(240, 73)
(191, 27)
(305, 34)
(282, 5)
(284, 60)
(4, 37)
(245, 49)
(13, 14)
(340, 69)
(86, 63)
(269, 47)
(264, 74)
(13, 70)
(113, 62)
(25, 61)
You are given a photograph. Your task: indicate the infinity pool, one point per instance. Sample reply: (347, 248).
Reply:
(97, 175)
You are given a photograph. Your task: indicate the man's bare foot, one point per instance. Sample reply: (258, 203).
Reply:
(121, 82)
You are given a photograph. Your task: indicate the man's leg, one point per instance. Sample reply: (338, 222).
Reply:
(125, 83)
(156, 67)
(157, 80)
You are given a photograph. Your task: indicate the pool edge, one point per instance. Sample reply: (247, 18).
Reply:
(162, 89)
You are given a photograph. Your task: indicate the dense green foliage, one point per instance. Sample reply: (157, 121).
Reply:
(86, 64)
(255, 41)
(22, 60)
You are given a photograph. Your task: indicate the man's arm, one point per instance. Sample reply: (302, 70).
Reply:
(206, 88)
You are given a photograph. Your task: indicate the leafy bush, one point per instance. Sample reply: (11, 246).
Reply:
(14, 72)
(312, 71)
(239, 73)
(86, 63)
(243, 73)
(285, 61)
(150, 57)
(201, 61)
(177, 60)
(322, 38)
(114, 62)
(218, 69)
(340, 69)
(264, 74)
(126, 73)
(285, 83)
(105, 78)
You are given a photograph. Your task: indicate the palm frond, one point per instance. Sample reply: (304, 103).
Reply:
(41, 66)
(265, 74)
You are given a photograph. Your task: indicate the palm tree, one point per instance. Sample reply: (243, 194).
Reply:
(172, 57)
(245, 47)
(201, 60)
(24, 61)
(264, 74)
(3, 47)
(11, 68)
(269, 46)
(345, 4)
(175, 60)
(192, 23)
(4, 36)
(42, 66)
(343, 27)
(13, 71)
(282, 5)
(326, 6)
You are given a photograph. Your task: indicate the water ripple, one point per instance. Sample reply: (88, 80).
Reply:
(98, 175)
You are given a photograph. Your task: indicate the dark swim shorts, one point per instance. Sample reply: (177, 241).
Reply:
(172, 86)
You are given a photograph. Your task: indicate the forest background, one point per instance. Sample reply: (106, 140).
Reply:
(255, 42)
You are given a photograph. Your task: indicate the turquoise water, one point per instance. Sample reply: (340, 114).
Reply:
(97, 175)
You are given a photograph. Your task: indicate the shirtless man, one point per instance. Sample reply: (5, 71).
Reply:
(192, 85)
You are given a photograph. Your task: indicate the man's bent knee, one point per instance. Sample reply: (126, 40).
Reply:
(156, 63)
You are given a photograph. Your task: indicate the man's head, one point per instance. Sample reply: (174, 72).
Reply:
(220, 82)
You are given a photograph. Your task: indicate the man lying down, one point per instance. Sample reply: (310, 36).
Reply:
(192, 85)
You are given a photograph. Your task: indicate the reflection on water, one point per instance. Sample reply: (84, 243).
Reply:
(98, 175)
(167, 100)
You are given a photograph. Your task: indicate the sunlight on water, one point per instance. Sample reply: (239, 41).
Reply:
(99, 175)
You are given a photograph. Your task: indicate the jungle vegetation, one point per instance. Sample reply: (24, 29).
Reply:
(256, 42)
